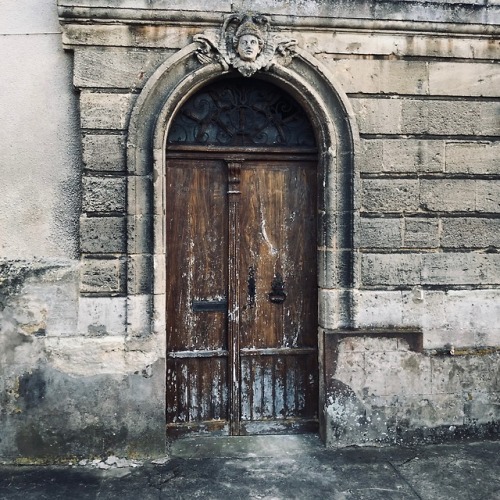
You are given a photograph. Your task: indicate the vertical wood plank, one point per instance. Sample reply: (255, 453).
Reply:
(234, 169)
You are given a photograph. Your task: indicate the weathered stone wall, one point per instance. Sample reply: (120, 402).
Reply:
(81, 339)
(70, 382)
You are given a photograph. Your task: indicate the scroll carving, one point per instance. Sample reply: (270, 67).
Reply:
(246, 43)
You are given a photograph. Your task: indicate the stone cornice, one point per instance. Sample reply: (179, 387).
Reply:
(471, 19)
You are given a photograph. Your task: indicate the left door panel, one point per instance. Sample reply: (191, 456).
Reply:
(196, 299)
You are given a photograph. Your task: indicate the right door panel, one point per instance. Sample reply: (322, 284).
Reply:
(278, 320)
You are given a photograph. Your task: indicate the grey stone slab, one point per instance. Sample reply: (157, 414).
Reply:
(115, 67)
(104, 194)
(470, 232)
(144, 36)
(100, 110)
(390, 269)
(450, 117)
(488, 196)
(217, 5)
(401, 156)
(102, 275)
(102, 234)
(473, 157)
(380, 76)
(390, 44)
(379, 233)
(427, 116)
(460, 269)
(448, 195)
(104, 153)
(390, 195)
(464, 79)
(421, 233)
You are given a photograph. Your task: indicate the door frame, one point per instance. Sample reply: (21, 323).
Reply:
(235, 159)
(317, 91)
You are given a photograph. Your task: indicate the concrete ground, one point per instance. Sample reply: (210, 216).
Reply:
(273, 467)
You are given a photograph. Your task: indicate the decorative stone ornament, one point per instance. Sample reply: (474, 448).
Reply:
(245, 43)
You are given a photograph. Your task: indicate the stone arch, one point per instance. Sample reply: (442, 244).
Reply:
(330, 113)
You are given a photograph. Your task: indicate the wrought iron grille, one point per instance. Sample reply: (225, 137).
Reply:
(242, 112)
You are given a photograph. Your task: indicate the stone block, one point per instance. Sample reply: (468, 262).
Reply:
(327, 268)
(420, 233)
(327, 308)
(102, 275)
(380, 76)
(390, 195)
(378, 116)
(427, 116)
(450, 117)
(470, 232)
(350, 369)
(46, 308)
(105, 111)
(448, 195)
(378, 309)
(140, 196)
(481, 373)
(481, 407)
(394, 44)
(460, 269)
(364, 342)
(104, 153)
(434, 410)
(159, 320)
(370, 157)
(447, 374)
(140, 234)
(148, 36)
(464, 79)
(103, 234)
(390, 269)
(158, 5)
(393, 373)
(488, 196)
(140, 274)
(379, 233)
(115, 67)
(102, 316)
(472, 158)
(104, 194)
(139, 314)
(424, 309)
(334, 308)
(412, 156)
(472, 316)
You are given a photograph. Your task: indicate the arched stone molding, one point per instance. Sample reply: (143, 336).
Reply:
(329, 110)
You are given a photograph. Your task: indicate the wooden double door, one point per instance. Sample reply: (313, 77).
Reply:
(242, 293)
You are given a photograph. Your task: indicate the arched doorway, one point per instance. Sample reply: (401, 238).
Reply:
(241, 263)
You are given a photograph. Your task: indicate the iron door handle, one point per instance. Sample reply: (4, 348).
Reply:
(277, 295)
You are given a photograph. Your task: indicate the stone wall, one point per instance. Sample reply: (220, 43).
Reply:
(82, 345)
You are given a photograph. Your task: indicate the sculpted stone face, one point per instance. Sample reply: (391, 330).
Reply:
(248, 47)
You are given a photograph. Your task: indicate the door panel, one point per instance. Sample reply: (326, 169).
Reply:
(278, 340)
(196, 267)
(252, 222)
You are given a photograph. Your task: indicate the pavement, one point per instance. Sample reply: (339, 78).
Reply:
(271, 467)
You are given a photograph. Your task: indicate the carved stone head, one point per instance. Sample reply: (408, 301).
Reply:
(246, 44)
(248, 41)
